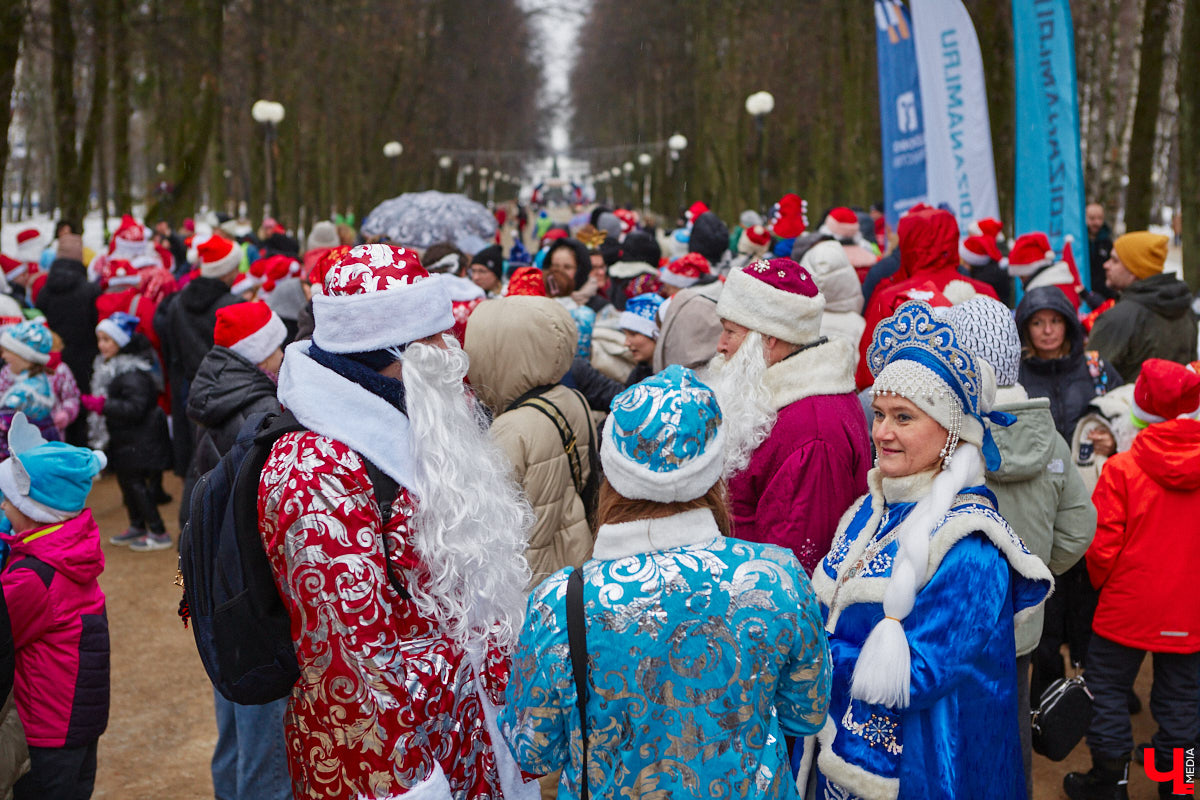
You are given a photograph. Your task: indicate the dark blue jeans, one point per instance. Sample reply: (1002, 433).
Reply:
(1174, 698)
(250, 762)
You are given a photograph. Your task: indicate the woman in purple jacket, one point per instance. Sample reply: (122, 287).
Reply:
(59, 624)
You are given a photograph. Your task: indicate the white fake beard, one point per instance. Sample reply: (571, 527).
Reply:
(472, 522)
(747, 416)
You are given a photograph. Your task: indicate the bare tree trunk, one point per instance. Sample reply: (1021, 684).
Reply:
(1189, 141)
(12, 23)
(121, 108)
(62, 78)
(1140, 192)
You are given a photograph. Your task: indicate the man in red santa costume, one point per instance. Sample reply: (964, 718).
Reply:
(402, 620)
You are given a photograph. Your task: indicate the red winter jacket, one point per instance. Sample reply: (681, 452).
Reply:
(60, 630)
(928, 254)
(1143, 559)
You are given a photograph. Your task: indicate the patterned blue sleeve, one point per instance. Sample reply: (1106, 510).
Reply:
(803, 695)
(539, 718)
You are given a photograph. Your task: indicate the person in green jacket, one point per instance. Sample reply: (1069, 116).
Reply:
(1040, 492)
(1153, 317)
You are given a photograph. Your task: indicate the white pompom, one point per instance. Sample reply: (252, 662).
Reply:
(882, 673)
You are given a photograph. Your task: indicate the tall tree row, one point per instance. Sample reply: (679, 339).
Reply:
(122, 101)
(646, 70)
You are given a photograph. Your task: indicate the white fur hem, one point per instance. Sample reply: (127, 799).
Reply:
(36, 511)
(675, 279)
(435, 787)
(328, 404)
(10, 342)
(971, 257)
(864, 785)
(359, 323)
(512, 785)
(258, 346)
(1057, 275)
(748, 301)
(462, 290)
(623, 539)
(823, 370)
(637, 482)
(223, 266)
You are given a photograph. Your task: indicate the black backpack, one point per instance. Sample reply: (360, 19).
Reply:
(242, 629)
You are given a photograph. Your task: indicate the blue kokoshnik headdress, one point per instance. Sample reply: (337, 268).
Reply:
(914, 335)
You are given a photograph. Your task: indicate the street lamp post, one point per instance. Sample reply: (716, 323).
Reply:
(483, 183)
(645, 160)
(444, 167)
(464, 179)
(627, 168)
(677, 144)
(759, 105)
(392, 151)
(269, 114)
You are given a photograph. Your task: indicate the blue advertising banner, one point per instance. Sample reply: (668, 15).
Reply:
(1050, 195)
(899, 111)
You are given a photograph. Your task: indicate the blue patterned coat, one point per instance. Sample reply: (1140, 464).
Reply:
(704, 653)
(958, 738)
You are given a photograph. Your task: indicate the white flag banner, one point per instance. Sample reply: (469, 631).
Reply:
(960, 172)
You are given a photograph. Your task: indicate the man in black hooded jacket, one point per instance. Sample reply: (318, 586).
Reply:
(68, 299)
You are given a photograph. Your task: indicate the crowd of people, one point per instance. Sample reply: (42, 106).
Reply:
(624, 511)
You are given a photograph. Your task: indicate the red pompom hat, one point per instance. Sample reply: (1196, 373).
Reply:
(1165, 391)
(1029, 253)
(218, 256)
(686, 271)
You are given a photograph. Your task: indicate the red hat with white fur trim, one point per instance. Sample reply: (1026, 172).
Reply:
(988, 226)
(776, 298)
(266, 272)
(1029, 253)
(252, 330)
(29, 245)
(218, 256)
(118, 273)
(979, 250)
(697, 208)
(378, 296)
(12, 267)
(1165, 391)
(842, 223)
(686, 271)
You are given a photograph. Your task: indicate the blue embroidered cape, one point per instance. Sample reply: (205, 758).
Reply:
(702, 658)
(958, 738)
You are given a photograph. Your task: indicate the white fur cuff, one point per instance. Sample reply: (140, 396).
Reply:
(360, 323)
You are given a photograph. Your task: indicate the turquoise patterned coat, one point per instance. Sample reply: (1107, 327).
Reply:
(704, 653)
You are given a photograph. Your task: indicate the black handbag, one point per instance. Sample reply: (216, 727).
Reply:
(1062, 717)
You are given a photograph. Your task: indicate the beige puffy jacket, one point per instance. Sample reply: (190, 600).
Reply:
(516, 344)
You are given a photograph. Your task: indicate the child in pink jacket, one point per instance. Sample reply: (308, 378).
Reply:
(59, 623)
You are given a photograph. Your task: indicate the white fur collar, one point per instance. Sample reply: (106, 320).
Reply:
(827, 369)
(328, 404)
(624, 539)
(630, 269)
(908, 489)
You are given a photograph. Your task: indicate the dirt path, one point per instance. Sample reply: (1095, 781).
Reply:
(161, 731)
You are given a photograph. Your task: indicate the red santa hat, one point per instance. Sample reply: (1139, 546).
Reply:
(979, 250)
(1165, 391)
(12, 267)
(686, 271)
(697, 208)
(526, 282)
(628, 219)
(776, 298)
(252, 330)
(789, 219)
(218, 256)
(29, 245)
(267, 272)
(842, 223)
(988, 226)
(118, 272)
(1029, 253)
(379, 296)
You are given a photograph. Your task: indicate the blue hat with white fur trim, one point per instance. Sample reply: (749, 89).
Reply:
(47, 481)
(119, 327)
(663, 439)
(641, 315)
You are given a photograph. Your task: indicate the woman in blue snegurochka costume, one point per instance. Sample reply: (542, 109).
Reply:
(704, 653)
(921, 587)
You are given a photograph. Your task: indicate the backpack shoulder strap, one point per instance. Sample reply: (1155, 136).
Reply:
(565, 433)
(577, 641)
